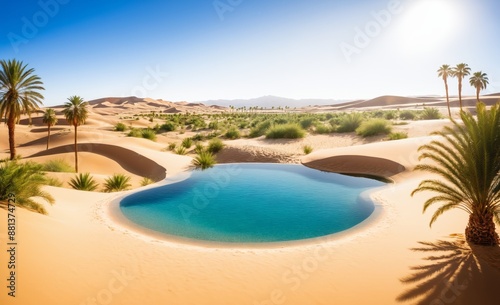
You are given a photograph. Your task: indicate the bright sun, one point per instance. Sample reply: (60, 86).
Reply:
(428, 24)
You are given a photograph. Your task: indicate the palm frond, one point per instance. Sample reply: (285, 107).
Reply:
(441, 210)
(467, 160)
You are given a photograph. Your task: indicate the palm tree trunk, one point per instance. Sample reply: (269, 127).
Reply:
(76, 149)
(481, 230)
(477, 93)
(447, 98)
(11, 124)
(460, 92)
(48, 137)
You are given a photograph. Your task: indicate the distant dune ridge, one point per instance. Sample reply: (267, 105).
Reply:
(132, 104)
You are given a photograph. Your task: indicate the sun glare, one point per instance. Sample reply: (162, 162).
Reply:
(426, 25)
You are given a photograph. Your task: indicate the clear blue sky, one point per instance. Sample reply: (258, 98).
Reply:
(197, 50)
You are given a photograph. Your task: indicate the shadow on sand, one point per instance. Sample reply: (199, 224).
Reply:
(454, 273)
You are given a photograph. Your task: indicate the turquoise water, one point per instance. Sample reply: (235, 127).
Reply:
(253, 203)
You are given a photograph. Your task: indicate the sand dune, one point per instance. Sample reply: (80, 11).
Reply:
(130, 160)
(363, 165)
(115, 105)
(64, 136)
(389, 100)
(393, 102)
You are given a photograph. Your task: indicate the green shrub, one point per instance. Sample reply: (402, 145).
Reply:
(24, 181)
(169, 126)
(430, 114)
(116, 183)
(336, 120)
(187, 143)
(198, 137)
(260, 129)
(307, 149)
(52, 181)
(134, 132)
(215, 145)
(307, 122)
(198, 123)
(407, 115)
(181, 150)
(323, 129)
(149, 134)
(233, 133)
(147, 181)
(213, 125)
(156, 128)
(83, 182)
(390, 115)
(374, 127)
(287, 131)
(120, 127)
(350, 122)
(204, 160)
(57, 166)
(172, 146)
(398, 135)
(198, 148)
(281, 121)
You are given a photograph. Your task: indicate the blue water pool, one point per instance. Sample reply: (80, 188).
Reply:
(253, 203)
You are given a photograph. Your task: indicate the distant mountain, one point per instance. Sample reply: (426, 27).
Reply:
(272, 101)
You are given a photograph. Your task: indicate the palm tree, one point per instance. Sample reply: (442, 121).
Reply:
(443, 72)
(467, 162)
(479, 80)
(25, 180)
(19, 94)
(76, 113)
(49, 118)
(460, 71)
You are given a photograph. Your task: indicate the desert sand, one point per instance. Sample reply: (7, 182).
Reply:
(79, 254)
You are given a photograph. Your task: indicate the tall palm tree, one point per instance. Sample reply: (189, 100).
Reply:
(19, 94)
(479, 80)
(443, 72)
(467, 162)
(460, 71)
(49, 118)
(76, 114)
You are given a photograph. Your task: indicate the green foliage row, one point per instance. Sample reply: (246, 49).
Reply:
(146, 133)
(115, 183)
(235, 125)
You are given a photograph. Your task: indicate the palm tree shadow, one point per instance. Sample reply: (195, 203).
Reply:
(455, 273)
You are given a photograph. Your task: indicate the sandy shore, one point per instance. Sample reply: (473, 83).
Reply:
(76, 255)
